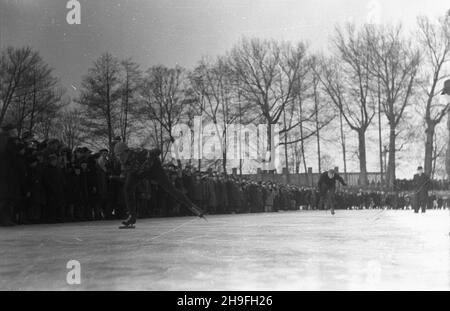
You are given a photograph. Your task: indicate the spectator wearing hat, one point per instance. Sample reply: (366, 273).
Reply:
(54, 185)
(35, 194)
(234, 195)
(102, 183)
(75, 200)
(270, 196)
(9, 189)
(20, 212)
(196, 195)
(209, 195)
(221, 194)
(188, 183)
(88, 190)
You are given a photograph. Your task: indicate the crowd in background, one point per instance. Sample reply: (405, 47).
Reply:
(46, 182)
(408, 185)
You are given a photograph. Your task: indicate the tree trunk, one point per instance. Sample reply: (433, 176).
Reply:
(286, 157)
(429, 148)
(343, 146)
(302, 145)
(380, 142)
(240, 132)
(391, 160)
(108, 110)
(224, 150)
(435, 156)
(316, 110)
(269, 144)
(318, 142)
(33, 107)
(362, 157)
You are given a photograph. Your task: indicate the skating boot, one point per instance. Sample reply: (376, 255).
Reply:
(128, 223)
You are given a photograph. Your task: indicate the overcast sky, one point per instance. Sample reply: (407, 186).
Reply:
(173, 32)
(181, 31)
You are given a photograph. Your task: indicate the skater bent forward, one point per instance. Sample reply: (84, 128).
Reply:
(145, 164)
(327, 188)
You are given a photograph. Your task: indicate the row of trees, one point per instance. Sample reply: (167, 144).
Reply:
(258, 81)
(29, 92)
(371, 75)
(33, 99)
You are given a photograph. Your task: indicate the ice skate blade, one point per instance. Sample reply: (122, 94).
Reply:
(127, 227)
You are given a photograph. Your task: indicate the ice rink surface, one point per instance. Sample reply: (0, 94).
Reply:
(301, 250)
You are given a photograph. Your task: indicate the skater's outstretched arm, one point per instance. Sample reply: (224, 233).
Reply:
(341, 180)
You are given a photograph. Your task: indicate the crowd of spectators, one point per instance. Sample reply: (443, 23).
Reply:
(46, 182)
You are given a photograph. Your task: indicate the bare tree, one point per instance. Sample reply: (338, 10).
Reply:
(346, 79)
(39, 95)
(316, 112)
(307, 115)
(434, 40)
(15, 65)
(70, 128)
(131, 80)
(267, 73)
(395, 62)
(101, 89)
(196, 106)
(297, 112)
(163, 93)
(214, 81)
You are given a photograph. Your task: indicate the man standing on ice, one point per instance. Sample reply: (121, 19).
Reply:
(327, 188)
(421, 187)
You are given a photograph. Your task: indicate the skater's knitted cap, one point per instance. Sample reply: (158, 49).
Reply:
(120, 147)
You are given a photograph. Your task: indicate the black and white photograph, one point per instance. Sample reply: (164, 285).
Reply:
(209, 146)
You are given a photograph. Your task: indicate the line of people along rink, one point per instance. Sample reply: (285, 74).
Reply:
(46, 182)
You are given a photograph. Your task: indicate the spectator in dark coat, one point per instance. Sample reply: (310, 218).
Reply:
(54, 185)
(74, 196)
(209, 195)
(20, 205)
(188, 183)
(103, 207)
(35, 197)
(197, 191)
(270, 196)
(234, 196)
(88, 189)
(221, 195)
(421, 187)
(9, 186)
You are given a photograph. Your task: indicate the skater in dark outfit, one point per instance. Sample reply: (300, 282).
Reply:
(327, 188)
(145, 164)
(421, 187)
